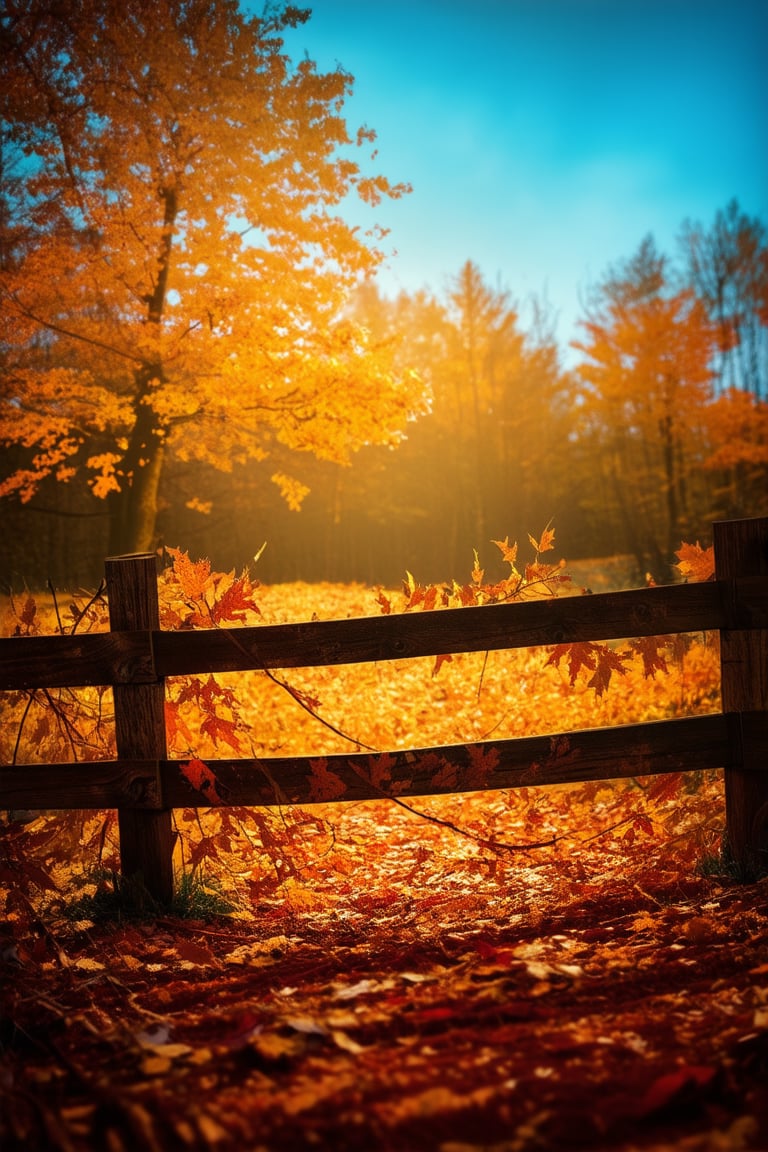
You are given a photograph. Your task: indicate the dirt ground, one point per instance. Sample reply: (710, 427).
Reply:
(632, 1018)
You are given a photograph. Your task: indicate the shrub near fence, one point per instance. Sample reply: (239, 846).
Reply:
(136, 656)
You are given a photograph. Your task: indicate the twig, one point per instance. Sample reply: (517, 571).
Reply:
(296, 696)
(493, 845)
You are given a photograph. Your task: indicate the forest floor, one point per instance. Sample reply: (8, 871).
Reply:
(544, 969)
(626, 1011)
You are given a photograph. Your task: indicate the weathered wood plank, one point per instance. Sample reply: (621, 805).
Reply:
(93, 785)
(76, 661)
(741, 548)
(607, 616)
(562, 758)
(686, 744)
(123, 656)
(146, 835)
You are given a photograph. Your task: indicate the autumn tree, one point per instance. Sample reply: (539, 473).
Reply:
(646, 379)
(175, 260)
(727, 266)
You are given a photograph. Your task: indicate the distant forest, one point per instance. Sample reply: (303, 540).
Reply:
(661, 428)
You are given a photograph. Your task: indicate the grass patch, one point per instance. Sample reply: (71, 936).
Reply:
(116, 899)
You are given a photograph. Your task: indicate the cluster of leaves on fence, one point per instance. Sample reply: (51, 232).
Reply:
(251, 854)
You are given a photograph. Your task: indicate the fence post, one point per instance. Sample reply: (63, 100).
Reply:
(741, 549)
(146, 836)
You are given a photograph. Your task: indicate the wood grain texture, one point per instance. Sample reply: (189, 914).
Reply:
(146, 835)
(130, 655)
(614, 615)
(688, 744)
(741, 549)
(76, 661)
(99, 784)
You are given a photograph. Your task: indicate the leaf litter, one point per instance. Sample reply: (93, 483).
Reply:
(610, 998)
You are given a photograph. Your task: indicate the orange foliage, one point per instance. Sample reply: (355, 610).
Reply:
(184, 269)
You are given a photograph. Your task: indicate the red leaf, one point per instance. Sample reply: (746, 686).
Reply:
(682, 1086)
(198, 954)
(236, 602)
(482, 763)
(28, 613)
(608, 662)
(202, 780)
(641, 821)
(220, 730)
(204, 849)
(653, 660)
(324, 785)
(485, 950)
(664, 787)
(579, 656)
(384, 603)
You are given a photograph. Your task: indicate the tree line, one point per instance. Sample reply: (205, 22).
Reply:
(195, 352)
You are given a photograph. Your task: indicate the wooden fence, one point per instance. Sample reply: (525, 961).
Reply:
(144, 785)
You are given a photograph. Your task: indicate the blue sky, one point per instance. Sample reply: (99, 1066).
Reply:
(545, 138)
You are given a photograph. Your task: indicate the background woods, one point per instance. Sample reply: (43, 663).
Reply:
(194, 346)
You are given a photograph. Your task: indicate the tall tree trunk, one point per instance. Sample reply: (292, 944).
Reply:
(133, 510)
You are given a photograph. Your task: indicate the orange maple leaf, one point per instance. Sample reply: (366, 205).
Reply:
(608, 662)
(192, 575)
(579, 656)
(695, 562)
(547, 542)
(508, 551)
(599, 659)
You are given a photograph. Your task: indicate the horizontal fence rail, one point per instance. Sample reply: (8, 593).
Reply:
(144, 785)
(693, 743)
(142, 657)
